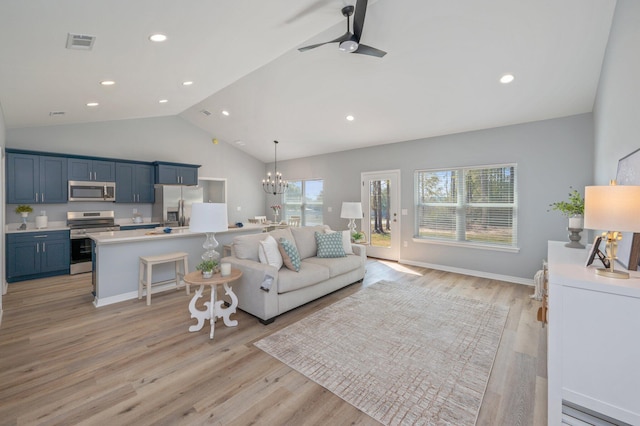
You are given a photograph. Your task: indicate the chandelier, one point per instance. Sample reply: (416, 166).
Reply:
(275, 185)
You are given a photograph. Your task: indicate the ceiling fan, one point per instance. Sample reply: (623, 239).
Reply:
(350, 42)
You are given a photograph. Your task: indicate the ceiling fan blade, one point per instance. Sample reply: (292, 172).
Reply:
(344, 37)
(363, 49)
(358, 19)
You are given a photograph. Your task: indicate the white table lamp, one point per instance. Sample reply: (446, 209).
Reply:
(352, 211)
(615, 209)
(209, 218)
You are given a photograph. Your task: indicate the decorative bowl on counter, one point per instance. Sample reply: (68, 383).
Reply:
(167, 230)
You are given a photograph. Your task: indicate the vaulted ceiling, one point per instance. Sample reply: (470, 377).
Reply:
(440, 75)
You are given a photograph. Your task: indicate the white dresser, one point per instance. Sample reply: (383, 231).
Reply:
(594, 338)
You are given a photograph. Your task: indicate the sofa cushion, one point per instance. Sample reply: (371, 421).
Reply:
(269, 253)
(289, 253)
(309, 275)
(329, 245)
(306, 239)
(246, 246)
(336, 266)
(346, 240)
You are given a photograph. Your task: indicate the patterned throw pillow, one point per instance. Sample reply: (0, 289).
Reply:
(290, 255)
(330, 245)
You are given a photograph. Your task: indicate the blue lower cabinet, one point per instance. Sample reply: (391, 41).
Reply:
(133, 227)
(32, 255)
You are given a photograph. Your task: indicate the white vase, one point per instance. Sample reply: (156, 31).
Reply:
(576, 222)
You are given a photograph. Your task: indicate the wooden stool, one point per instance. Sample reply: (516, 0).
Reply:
(147, 262)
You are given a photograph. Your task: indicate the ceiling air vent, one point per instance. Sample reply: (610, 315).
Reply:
(79, 41)
(206, 112)
(56, 113)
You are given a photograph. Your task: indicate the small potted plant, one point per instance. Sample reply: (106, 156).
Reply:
(357, 237)
(573, 208)
(207, 267)
(23, 210)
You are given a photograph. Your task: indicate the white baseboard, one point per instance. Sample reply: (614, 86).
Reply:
(134, 294)
(471, 272)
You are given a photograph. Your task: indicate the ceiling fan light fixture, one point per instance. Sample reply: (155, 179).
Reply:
(349, 46)
(507, 78)
(158, 38)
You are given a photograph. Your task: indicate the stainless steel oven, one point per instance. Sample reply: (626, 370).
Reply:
(92, 191)
(81, 224)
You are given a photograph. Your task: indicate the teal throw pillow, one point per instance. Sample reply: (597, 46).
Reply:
(290, 255)
(330, 245)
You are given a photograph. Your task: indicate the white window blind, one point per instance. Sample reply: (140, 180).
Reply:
(304, 199)
(468, 204)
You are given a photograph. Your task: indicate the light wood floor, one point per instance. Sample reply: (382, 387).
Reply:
(62, 361)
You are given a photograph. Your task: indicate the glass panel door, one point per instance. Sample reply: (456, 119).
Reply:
(380, 201)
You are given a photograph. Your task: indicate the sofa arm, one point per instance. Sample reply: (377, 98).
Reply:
(359, 249)
(251, 298)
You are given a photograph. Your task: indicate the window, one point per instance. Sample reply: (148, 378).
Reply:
(304, 199)
(471, 205)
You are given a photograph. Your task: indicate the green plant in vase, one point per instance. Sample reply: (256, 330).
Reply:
(207, 267)
(357, 236)
(23, 210)
(573, 208)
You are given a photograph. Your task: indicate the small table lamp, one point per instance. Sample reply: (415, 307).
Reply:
(351, 211)
(209, 218)
(615, 209)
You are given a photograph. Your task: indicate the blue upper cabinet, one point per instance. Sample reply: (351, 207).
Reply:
(134, 183)
(176, 174)
(92, 170)
(36, 179)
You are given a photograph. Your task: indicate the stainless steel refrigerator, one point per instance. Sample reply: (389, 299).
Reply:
(172, 206)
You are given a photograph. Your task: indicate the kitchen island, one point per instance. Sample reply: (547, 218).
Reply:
(116, 257)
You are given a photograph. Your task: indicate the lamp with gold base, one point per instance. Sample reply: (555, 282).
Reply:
(615, 208)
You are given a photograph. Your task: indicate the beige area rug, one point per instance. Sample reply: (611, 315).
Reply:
(400, 353)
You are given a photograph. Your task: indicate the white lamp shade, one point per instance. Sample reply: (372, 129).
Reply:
(612, 208)
(351, 210)
(208, 217)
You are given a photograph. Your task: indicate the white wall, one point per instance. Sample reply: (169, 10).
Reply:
(164, 139)
(617, 107)
(3, 283)
(552, 155)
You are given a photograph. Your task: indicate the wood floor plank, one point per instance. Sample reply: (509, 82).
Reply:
(63, 361)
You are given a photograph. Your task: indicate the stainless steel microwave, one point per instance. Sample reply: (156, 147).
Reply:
(92, 191)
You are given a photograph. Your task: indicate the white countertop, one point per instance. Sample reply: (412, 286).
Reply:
(12, 228)
(117, 237)
(567, 267)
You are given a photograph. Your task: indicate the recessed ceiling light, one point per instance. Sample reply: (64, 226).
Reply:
(163, 101)
(157, 37)
(187, 83)
(92, 104)
(225, 112)
(107, 82)
(507, 78)
(350, 118)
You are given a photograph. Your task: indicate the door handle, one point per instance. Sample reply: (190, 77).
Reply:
(42, 197)
(36, 197)
(44, 247)
(37, 247)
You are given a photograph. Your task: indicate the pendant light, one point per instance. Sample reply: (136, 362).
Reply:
(275, 184)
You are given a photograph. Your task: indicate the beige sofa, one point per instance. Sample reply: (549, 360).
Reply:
(289, 289)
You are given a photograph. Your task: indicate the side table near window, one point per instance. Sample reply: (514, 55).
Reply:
(215, 307)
